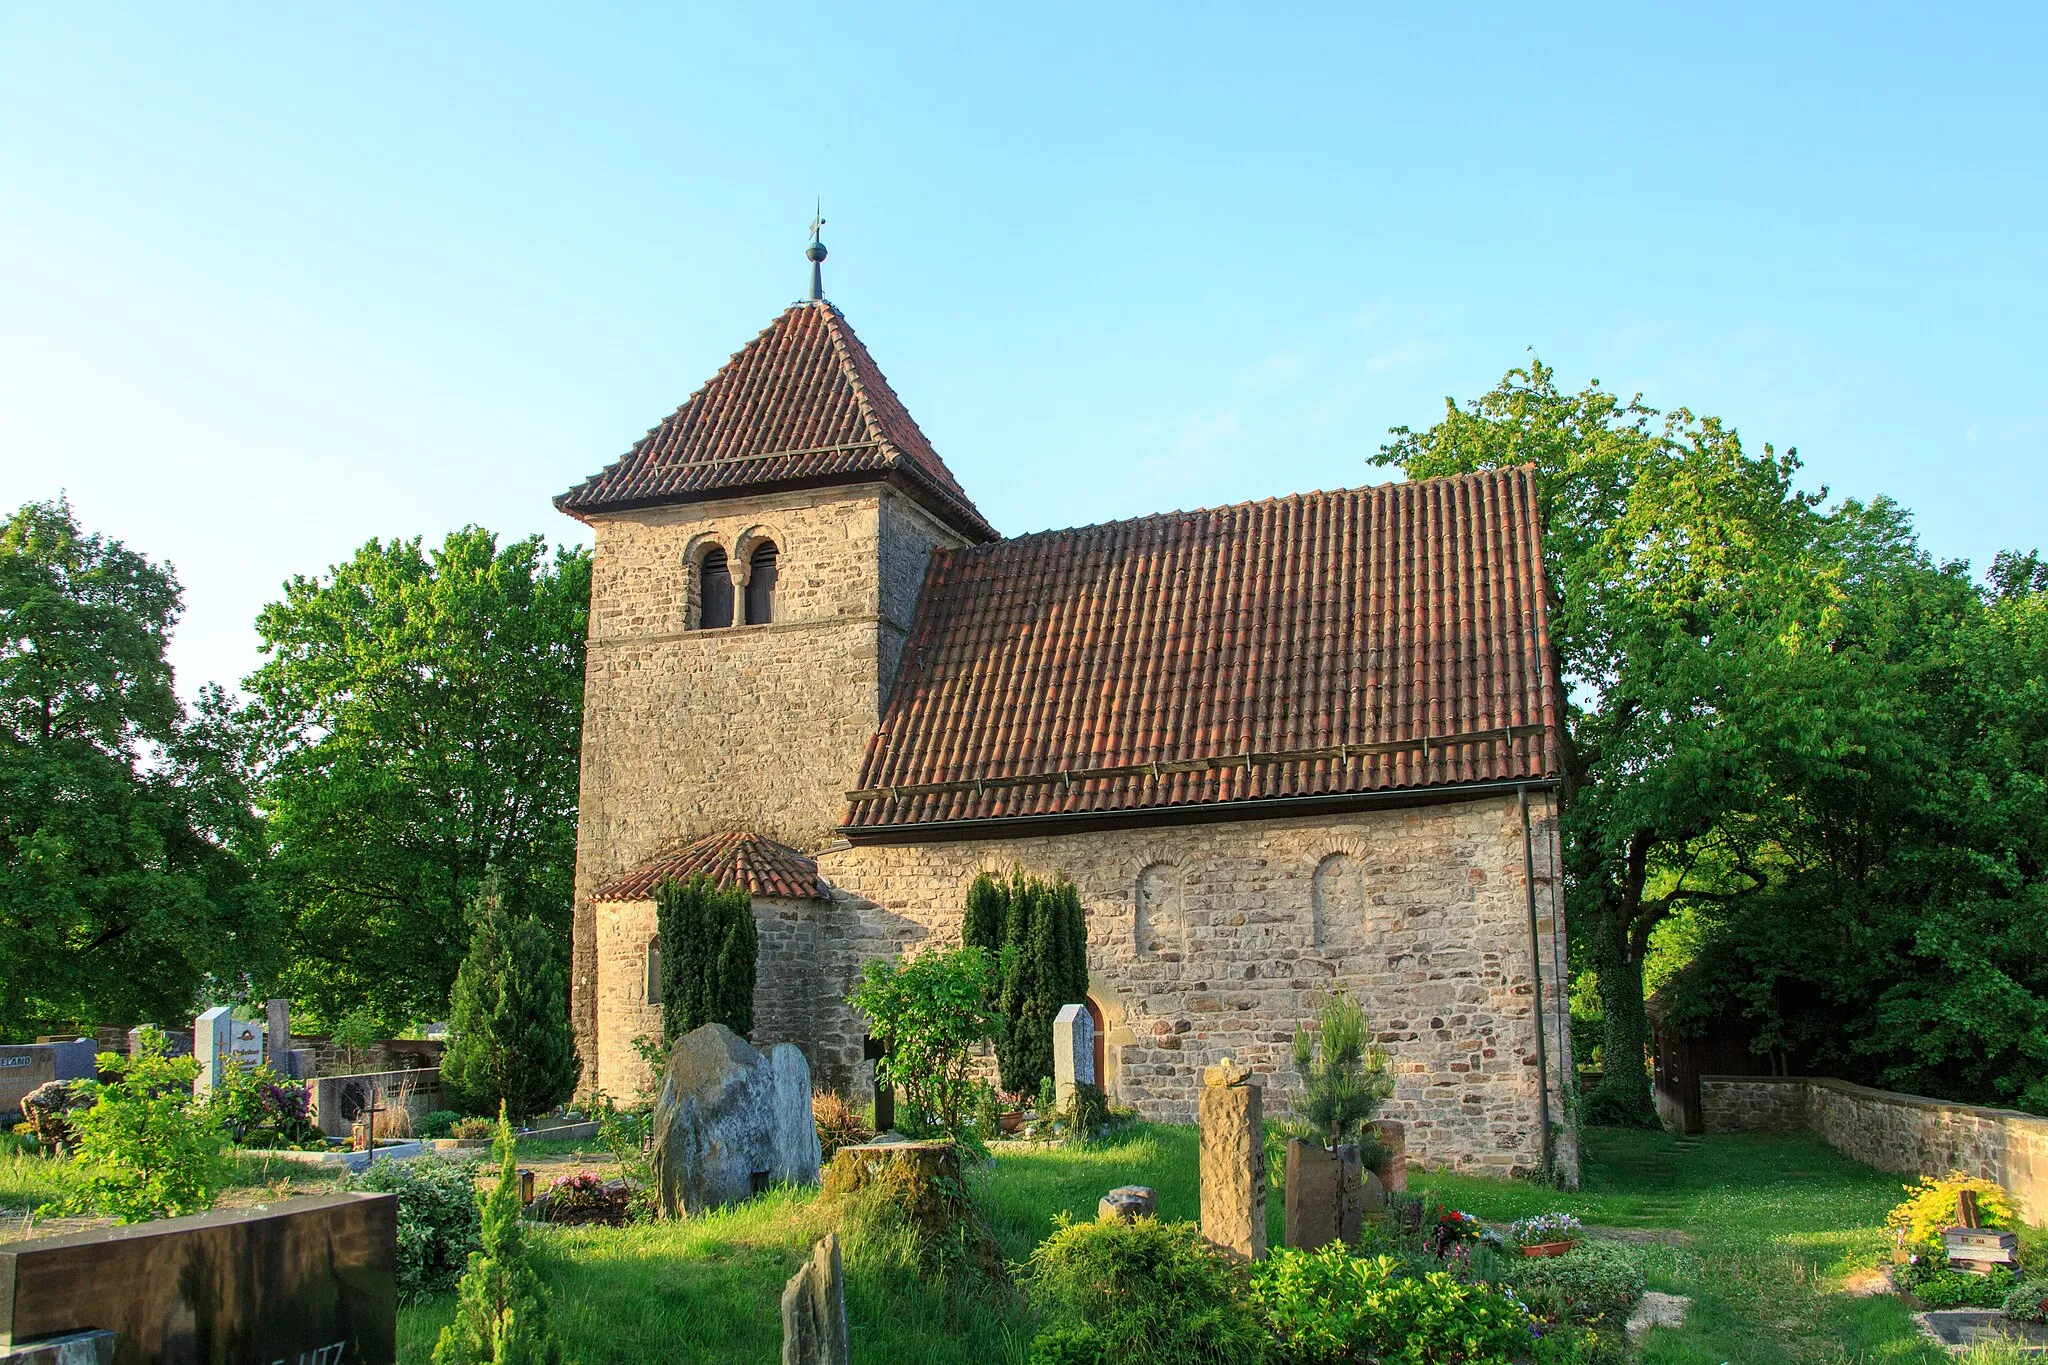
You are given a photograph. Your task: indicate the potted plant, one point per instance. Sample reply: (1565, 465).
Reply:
(1011, 1118)
(1547, 1234)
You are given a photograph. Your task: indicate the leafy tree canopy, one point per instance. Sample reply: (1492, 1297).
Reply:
(421, 713)
(126, 835)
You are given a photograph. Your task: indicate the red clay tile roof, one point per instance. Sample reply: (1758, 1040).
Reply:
(802, 404)
(1367, 640)
(762, 866)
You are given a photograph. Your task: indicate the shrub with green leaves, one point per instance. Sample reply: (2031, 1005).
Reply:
(1945, 1288)
(439, 1220)
(2028, 1302)
(509, 1041)
(1037, 933)
(501, 1314)
(260, 1108)
(1329, 1307)
(439, 1124)
(146, 1147)
(1139, 1293)
(708, 949)
(1595, 1283)
(933, 1010)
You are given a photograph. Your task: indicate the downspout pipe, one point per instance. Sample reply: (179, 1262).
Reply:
(1536, 979)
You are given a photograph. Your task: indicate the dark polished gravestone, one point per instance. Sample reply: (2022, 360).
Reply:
(1961, 1329)
(306, 1281)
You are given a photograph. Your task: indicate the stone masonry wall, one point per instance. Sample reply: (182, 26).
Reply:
(786, 983)
(1753, 1104)
(687, 732)
(1213, 940)
(1893, 1132)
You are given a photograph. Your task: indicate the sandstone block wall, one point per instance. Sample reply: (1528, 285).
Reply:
(1208, 941)
(1893, 1132)
(1753, 1104)
(686, 731)
(786, 983)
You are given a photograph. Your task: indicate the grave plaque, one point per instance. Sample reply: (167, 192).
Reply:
(1073, 1052)
(246, 1044)
(212, 1043)
(309, 1280)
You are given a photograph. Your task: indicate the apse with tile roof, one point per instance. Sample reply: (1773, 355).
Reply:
(1280, 747)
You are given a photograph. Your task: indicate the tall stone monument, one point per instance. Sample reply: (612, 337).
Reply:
(730, 1122)
(1232, 1112)
(213, 1043)
(1073, 1052)
(277, 1036)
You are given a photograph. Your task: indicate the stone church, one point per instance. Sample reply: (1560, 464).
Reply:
(1279, 747)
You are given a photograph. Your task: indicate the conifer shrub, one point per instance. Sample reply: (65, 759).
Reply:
(501, 1311)
(1139, 1293)
(509, 1043)
(708, 953)
(1038, 932)
(1344, 1078)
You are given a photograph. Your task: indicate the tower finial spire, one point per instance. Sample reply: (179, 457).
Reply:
(815, 253)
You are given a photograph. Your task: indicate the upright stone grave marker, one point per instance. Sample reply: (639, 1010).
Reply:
(724, 1128)
(814, 1309)
(277, 1036)
(212, 1043)
(1073, 1052)
(246, 1043)
(1325, 1195)
(1233, 1161)
(310, 1280)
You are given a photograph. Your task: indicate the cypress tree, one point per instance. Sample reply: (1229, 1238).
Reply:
(509, 1043)
(709, 948)
(1040, 930)
(501, 1311)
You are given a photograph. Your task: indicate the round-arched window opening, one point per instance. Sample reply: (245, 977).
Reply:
(714, 591)
(761, 573)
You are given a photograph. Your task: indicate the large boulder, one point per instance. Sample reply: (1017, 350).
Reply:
(47, 1109)
(730, 1122)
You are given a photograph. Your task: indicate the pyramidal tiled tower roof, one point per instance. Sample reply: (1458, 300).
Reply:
(802, 405)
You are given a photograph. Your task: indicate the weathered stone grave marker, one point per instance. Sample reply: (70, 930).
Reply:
(1073, 1053)
(1325, 1198)
(1233, 1160)
(1127, 1203)
(27, 1067)
(310, 1279)
(814, 1309)
(730, 1122)
(277, 1036)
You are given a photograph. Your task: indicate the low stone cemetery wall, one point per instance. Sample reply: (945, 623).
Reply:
(1893, 1132)
(338, 1100)
(24, 1066)
(309, 1280)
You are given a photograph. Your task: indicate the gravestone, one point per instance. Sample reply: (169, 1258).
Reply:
(277, 1036)
(212, 1043)
(1073, 1053)
(310, 1280)
(1233, 1168)
(73, 1348)
(1325, 1197)
(1126, 1203)
(722, 1129)
(27, 1067)
(797, 1153)
(1393, 1168)
(814, 1309)
(246, 1044)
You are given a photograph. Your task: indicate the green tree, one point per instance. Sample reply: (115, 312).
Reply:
(127, 838)
(146, 1147)
(1037, 932)
(501, 1310)
(421, 716)
(1344, 1076)
(1678, 564)
(932, 1010)
(509, 1041)
(708, 956)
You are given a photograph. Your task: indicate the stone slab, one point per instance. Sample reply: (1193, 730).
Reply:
(1073, 1052)
(1654, 1310)
(72, 1348)
(337, 1100)
(1961, 1329)
(1325, 1196)
(25, 1066)
(1233, 1162)
(212, 1043)
(814, 1309)
(797, 1150)
(311, 1278)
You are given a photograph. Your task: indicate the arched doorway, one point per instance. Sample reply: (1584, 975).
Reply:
(1101, 1035)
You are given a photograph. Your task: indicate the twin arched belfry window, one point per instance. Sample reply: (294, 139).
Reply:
(715, 588)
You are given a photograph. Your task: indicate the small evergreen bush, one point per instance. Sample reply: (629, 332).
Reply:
(440, 1123)
(1037, 933)
(147, 1148)
(1328, 1307)
(708, 951)
(501, 1313)
(1344, 1076)
(509, 1042)
(1594, 1283)
(439, 1221)
(1139, 1293)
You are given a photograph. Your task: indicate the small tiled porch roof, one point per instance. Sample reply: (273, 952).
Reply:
(737, 858)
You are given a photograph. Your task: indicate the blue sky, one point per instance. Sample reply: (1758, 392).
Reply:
(273, 280)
